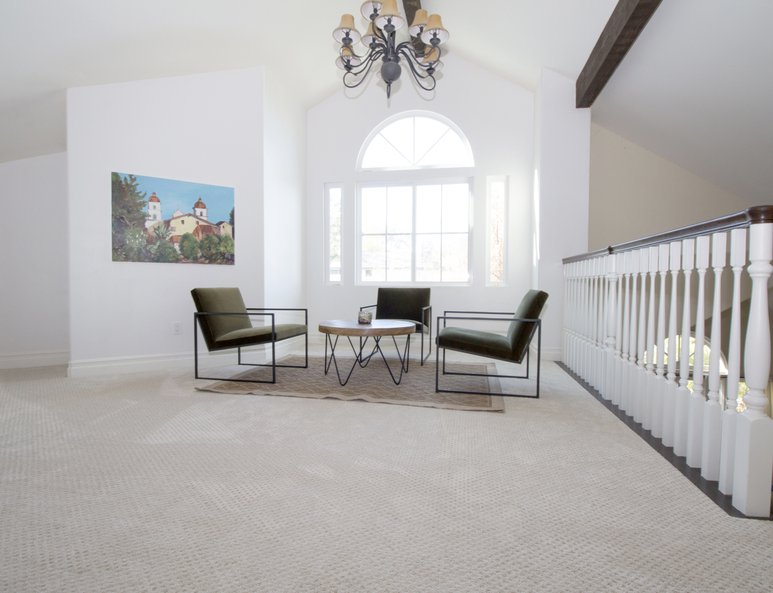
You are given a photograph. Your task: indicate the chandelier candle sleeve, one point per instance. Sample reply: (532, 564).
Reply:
(421, 53)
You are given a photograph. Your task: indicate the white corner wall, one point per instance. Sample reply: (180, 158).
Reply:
(284, 152)
(561, 195)
(34, 295)
(496, 115)
(205, 128)
(635, 193)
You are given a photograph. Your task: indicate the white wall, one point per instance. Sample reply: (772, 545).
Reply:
(206, 128)
(561, 192)
(284, 145)
(34, 296)
(496, 115)
(635, 193)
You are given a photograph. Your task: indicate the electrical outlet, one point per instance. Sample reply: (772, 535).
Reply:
(177, 328)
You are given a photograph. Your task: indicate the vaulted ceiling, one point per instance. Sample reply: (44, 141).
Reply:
(696, 88)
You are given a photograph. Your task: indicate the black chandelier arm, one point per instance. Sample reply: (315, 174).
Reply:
(360, 74)
(367, 62)
(406, 46)
(422, 74)
(407, 50)
(376, 47)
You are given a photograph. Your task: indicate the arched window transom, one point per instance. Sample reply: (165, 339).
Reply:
(416, 141)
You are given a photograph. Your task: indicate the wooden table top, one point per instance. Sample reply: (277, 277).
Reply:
(377, 327)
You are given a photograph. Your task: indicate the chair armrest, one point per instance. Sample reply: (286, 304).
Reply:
(258, 310)
(426, 316)
(479, 316)
(221, 313)
(247, 313)
(455, 314)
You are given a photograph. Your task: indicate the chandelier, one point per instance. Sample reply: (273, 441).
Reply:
(421, 52)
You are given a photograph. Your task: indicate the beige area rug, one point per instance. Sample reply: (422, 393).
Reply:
(371, 384)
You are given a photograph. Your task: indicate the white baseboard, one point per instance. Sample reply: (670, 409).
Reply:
(29, 360)
(121, 365)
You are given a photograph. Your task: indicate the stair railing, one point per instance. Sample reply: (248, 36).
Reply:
(657, 327)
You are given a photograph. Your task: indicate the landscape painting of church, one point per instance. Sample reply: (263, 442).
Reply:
(171, 221)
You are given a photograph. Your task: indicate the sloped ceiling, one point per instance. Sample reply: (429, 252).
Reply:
(697, 87)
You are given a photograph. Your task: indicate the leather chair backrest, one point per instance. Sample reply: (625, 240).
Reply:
(520, 333)
(402, 303)
(220, 300)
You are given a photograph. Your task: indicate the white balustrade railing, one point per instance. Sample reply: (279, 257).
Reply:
(635, 324)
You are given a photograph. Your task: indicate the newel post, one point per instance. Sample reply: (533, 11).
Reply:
(753, 469)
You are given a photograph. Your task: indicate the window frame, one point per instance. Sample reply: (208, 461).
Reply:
(412, 114)
(490, 181)
(462, 169)
(414, 178)
(327, 229)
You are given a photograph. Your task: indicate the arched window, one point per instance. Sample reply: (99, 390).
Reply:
(418, 141)
(414, 201)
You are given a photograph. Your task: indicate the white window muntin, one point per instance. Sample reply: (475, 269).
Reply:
(413, 180)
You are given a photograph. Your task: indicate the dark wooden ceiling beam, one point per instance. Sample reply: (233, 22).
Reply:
(628, 19)
(411, 6)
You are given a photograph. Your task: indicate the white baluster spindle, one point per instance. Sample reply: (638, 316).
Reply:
(648, 389)
(683, 393)
(727, 456)
(695, 424)
(626, 328)
(712, 414)
(611, 315)
(670, 385)
(641, 341)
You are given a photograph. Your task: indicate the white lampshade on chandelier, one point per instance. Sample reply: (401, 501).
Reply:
(421, 53)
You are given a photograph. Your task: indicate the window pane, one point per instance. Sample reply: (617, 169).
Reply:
(456, 208)
(373, 209)
(428, 258)
(381, 153)
(450, 151)
(429, 132)
(373, 259)
(428, 209)
(334, 235)
(399, 210)
(398, 258)
(454, 257)
(400, 135)
(413, 142)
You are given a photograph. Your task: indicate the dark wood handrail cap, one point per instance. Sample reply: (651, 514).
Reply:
(760, 214)
(744, 218)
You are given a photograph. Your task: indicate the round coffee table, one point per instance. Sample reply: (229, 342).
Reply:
(375, 330)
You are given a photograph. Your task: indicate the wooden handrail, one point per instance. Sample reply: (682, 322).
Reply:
(744, 218)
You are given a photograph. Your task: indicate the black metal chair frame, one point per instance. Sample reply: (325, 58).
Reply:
(491, 316)
(426, 313)
(257, 311)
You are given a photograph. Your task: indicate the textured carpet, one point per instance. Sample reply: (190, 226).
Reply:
(372, 384)
(143, 484)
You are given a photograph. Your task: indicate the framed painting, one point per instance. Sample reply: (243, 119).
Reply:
(170, 221)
